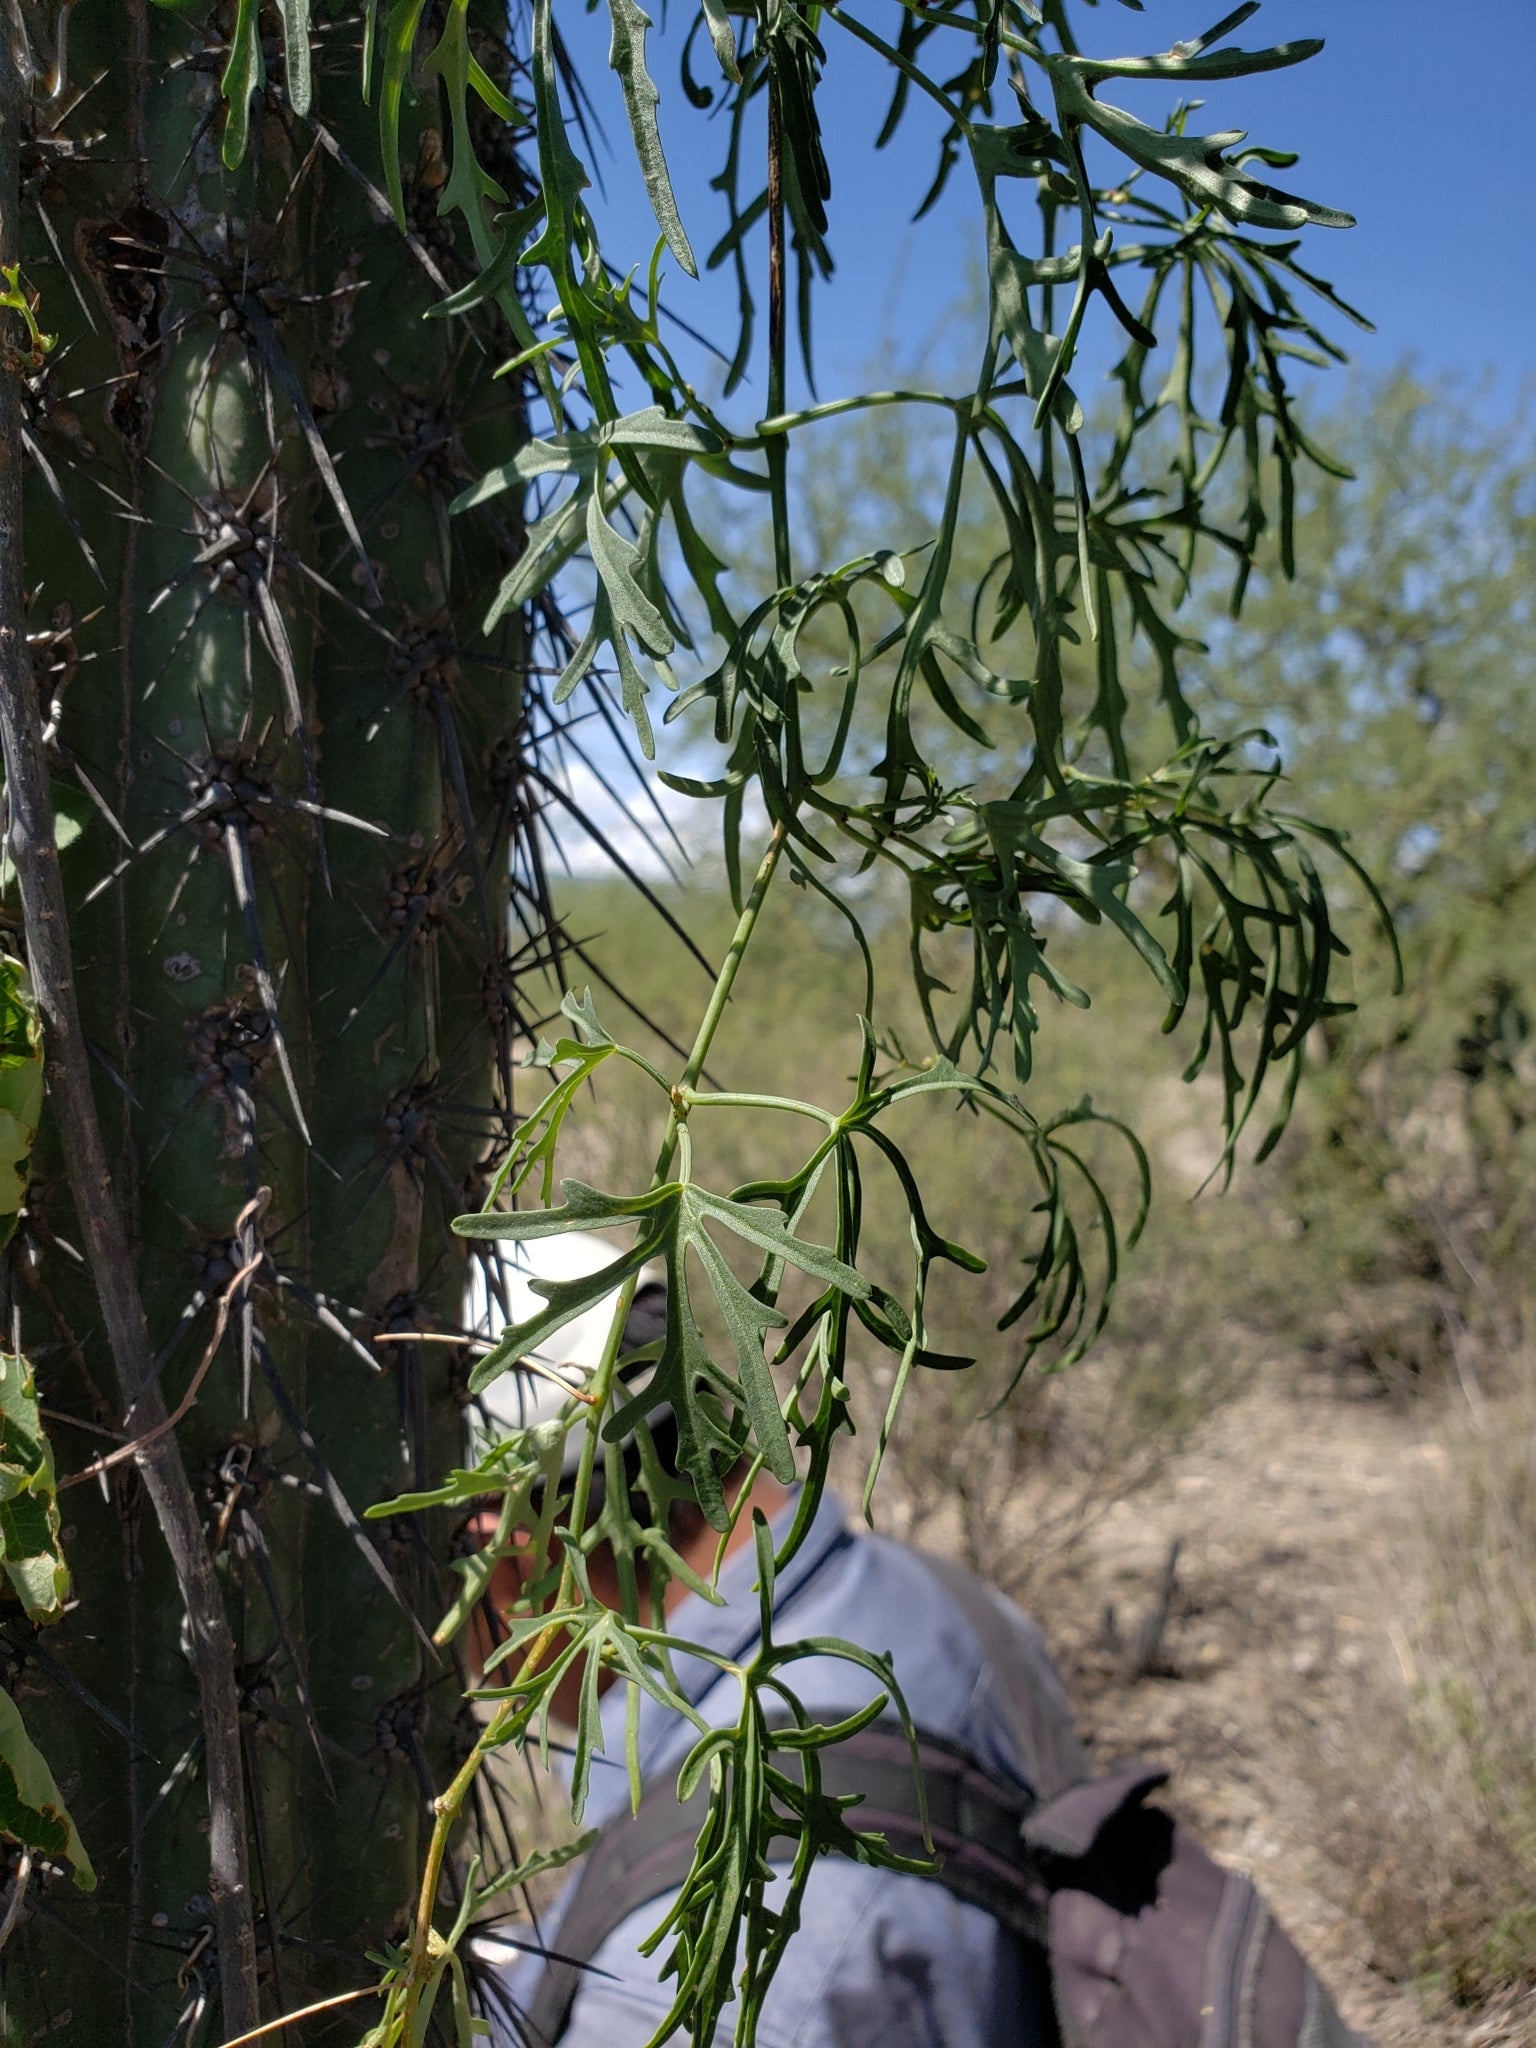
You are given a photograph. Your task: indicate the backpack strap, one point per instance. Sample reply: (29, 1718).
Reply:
(974, 1818)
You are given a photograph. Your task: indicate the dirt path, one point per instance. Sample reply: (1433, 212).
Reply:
(1284, 1508)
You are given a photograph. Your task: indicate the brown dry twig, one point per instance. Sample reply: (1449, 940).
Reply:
(532, 1365)
(132, 1449)
(304, 2012)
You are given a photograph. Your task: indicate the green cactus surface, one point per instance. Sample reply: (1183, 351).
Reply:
(290, 765)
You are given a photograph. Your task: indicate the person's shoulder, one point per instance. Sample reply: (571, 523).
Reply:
(1017, 1715)
(940, 1586)
(969, 1665)
(879, 1574)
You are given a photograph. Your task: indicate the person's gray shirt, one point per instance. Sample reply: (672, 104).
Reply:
(881, 1957)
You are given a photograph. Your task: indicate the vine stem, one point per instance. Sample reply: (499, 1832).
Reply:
(32, 840)
(725, 980)
(777, 450)
(502, 1726)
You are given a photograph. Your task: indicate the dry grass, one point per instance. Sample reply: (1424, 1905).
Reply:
(1439, 1822)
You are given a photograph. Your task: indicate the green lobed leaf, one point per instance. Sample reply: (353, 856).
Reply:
(1035, 353)
(617, 561)
(495, 275)
(1103, 884)
(626, 55)
(579, 453)
(245, 74)
(400, 25)
(1197, 164)
(537, 1139)
(563, 179)
(296, 62)
(723, 37)
(541, 1861)
(550, 543)
(21, 1088)
(673, 1224)
(31, 1811)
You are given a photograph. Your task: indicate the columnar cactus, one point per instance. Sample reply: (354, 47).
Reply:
(289, 766)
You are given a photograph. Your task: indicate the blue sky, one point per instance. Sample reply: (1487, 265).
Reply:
(1416, 118)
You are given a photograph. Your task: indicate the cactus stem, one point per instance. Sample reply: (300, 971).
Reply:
(33, 843)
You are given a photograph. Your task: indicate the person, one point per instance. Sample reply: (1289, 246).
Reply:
(881, 1956)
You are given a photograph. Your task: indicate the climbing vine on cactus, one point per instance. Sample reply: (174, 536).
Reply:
(366, 495)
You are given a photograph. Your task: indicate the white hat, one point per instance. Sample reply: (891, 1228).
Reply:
(498, 1293)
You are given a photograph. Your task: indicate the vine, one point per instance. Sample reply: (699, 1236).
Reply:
(833, 713)
(1074, 632)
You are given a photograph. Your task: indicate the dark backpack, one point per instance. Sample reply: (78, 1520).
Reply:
(1149, 1942)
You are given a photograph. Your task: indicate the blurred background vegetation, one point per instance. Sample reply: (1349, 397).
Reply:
(1385, 1243)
